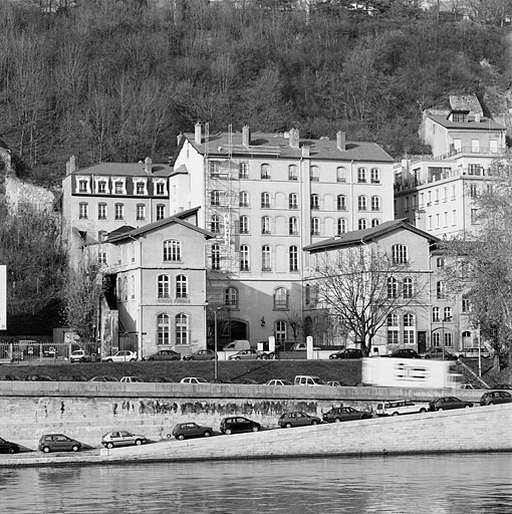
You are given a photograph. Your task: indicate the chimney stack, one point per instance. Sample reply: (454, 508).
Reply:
(71, 165)
(148, 165)
(294, 138)
(246, 136)
(197, 134)
(305, 150)
(341, 141)
(179, 138)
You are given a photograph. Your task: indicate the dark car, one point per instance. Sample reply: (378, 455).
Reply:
(347, 353)
(503, 386)
(164, 355)
(200, 355)
(297, 419)
(184, 430)
(339, 414)
(495, 397)
(437, 352)
(8, 447)
(237, 424)
(405, 353)
(39, 378)
(447, 403)
(58, 443)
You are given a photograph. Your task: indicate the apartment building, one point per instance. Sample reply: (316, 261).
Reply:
(436, 193)
(265, 197)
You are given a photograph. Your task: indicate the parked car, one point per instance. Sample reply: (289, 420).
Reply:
(72, 378)
(467, 386)
(185, 430)
(448, 403)
(339, 414)
(405, 353)
(278, 382)
(80, 356)
(308, 380)
(193, 380)
(237, 424)
(437, 352)
(347, 353)
(58, 443)
(473, 353)
(246, 381)
(503, 386)
(8, 447)
(164, 355)
(237, 345)
(39, 378)
(200, 355)
(297, 347)
(495, 397)
(129, 379)
(121, 356)
(297, 419)
(103, 378)
(122, 438)
(397, 407)
(335, 383)
(248, 354)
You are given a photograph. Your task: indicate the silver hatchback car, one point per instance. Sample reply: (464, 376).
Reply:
(122, 438)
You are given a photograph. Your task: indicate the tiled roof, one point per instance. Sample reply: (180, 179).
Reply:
(484, 124)
(277, 145)
(358, 237)
(123, 169)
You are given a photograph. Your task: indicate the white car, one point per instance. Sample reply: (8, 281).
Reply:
(397, 407)
(278, 382)
(79, 356)
(193, 380)
(130, 379)
(122, 438)
(121, 356)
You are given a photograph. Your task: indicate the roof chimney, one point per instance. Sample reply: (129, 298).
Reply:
(341, 140)
(246, 136)
(71, 165)
(148, 164)
(197, 134)
(179, 138)
(294, 138)
(305, 150)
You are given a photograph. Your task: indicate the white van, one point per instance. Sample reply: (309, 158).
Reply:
(237, 345)
(396, 407)
(307, 380)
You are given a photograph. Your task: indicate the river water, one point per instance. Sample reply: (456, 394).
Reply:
(437, 484)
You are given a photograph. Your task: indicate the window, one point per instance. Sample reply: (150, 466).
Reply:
(265, 225)
(393, 329)
(215, 224)
(314, 174)
(84, 211)
(466, 305)
(280, 331)
(265, 200)
(341, 203)
(362, 224)
(266, 258)
(314, 202)
(231, 297)
(244, 224)
(440, 262)
(473, 190)
(83, 186)
(215, 197)
(118, 187)
(293, 226)
(341, 174)
(119, 211)
(341, 226)
(160, 212)
(315, 226)
(362, 203)
(125, 288)
(243, 170)
(102, 257)
(293, 258)
(140, 188)
(172, 250)
(441, 289)
(281, 298)
(448, 339)
(392, 287)
(407, 288)
(141, 212)
(132, 287)
(475, 146)
(163, 290)
(181, 329)
(375, 176)
(436, 339)
(293, 173)
(160, 188)
(436, 314)
(265, 171)
(361, 175)
(409, 326)
(244, 199)
(293, 202)
(375, 222)
(214, 167)
(448, 314)
(215, 257)
(376, 206)
(181, 286)
(102, 187)
(400, 254)
(244, 258)
(163, 324)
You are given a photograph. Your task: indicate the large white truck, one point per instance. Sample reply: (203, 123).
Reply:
(393, 372)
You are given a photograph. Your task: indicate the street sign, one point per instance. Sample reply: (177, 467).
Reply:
(3, 297)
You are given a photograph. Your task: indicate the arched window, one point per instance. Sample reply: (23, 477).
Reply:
(293, 258)
(172, 250)
(341, 202)
(293, 201)
(315, 202)
(375, 176)
(125, 288)
(265, 200)
(292, 172)
(400, 254)
(362, 224)
(163, 324)
(393, 329)
(436, 314)
(315, 226)
(266, 258)
(407, 288)
(265, 171)
(280, 331)
(341, 226)
(163, 286)
(243, 170)
(215, 224)
(448, 339)
(361, 175)
(265, 225)
(281, 298)
(293, 226)
(466, 339)
(231, 297)
(362, 203)
(182, 332)
(441, 289)
(436, 339)
(132, 287)
(244, 258)
(375, 222)
(244, 199)
(244, 224)
(392, 287)
(341, 174)
(376, 205)
(102, 211)
(314, 174)
(181, 286)
(160, 212)
(409, 329)
(215, 257)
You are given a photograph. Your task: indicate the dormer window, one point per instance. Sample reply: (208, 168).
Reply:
(160, 188)
(119, 188)
(102, 186)
(83, 185)
(140, 187)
